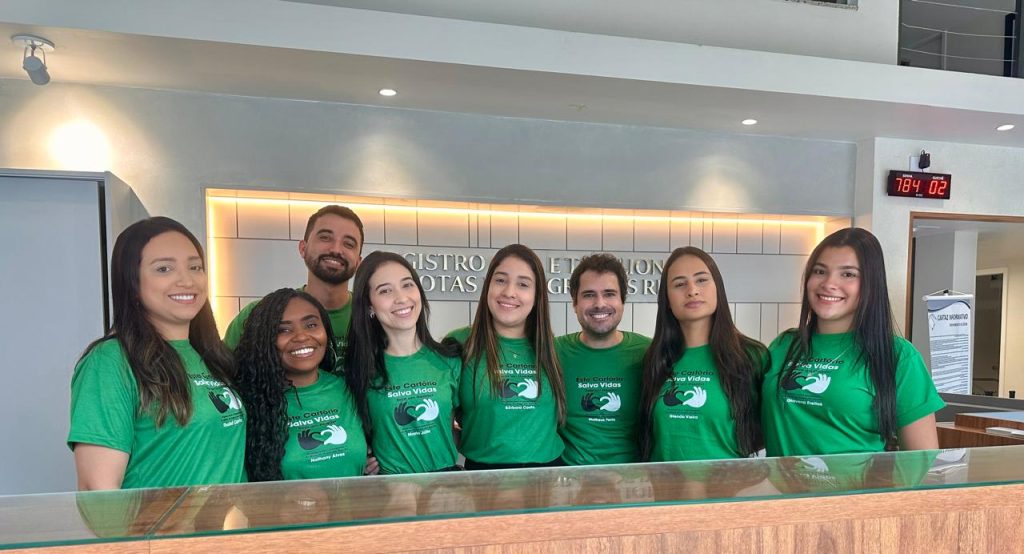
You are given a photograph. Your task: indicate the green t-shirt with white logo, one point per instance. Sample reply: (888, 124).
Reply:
(412, 415)
(325, 436)
(602, 393)
(209, 449)
(340, 320)
(692, 417)
(827, 406)
(519, 424)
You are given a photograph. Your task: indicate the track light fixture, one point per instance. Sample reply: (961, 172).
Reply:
(31, 62)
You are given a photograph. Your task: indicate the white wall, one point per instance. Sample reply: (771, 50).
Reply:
(986, 180)
(999, 253)
(167, 145)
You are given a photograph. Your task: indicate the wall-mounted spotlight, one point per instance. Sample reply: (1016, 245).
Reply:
(31, 62)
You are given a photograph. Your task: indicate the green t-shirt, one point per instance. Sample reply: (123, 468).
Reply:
(325, 436)
(209, 449)
(692, 417)
(412, 415)
(602, 394)
(340, 319)
(519, 425)
(827, 407)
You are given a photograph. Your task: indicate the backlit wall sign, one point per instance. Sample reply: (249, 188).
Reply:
(252, 240)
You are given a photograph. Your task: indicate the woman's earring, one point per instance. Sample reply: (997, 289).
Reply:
(372, 314)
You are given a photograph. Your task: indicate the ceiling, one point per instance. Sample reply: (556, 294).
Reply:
(117, 59)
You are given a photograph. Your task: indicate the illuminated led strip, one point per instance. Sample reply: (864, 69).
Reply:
(819, 226)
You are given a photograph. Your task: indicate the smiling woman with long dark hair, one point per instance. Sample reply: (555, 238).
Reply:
(843, 381)
(512, 395)
(701, 376)
(152, 402)
(406, 382)
(303, 423)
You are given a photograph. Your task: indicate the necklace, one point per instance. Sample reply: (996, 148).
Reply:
(841, 354)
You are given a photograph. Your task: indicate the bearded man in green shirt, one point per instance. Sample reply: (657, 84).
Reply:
(332, 248)
(602, 367)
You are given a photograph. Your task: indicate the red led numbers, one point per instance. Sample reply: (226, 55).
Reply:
(912, 184)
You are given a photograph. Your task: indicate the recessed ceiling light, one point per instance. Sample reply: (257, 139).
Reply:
(1006, 127)
(749, 122)
(388, 92)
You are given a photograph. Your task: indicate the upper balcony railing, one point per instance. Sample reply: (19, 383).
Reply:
(971, 36)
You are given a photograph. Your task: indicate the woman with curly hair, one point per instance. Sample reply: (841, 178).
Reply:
(303, 422)
(406, 382)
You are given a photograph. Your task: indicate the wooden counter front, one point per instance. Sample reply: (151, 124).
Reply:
(971, 519)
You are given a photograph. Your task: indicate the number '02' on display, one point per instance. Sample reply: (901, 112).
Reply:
(913, 184)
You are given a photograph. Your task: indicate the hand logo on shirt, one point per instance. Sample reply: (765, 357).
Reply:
(225, 400)
(527, 389)
(335, 434)
(817, 383)
(430, 410)
(694, 398)
(612, 402)
(406, 414)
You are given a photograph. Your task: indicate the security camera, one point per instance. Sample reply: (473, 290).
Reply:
(925, 161)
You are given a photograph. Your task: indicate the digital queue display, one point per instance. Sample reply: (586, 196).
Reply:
(915, 184)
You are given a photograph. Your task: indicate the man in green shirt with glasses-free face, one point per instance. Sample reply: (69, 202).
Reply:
(602, 367)
(332, 248)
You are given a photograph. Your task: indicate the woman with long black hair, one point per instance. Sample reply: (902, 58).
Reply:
(406, 382)
(512, 395)
(152, 403)
(701, 376)
(303, 422)
(843, 381)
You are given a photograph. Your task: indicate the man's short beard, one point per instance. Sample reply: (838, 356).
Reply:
(330, 277)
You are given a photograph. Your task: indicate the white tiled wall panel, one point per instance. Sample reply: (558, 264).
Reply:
(542, 232)
(583, 234)
(761, 262)
(652, 235)
(400, 226)
(224, 220)
(748, 319)
(263, 220)
(723, 235)
(617, 234)
(443, 229)
(769, 322)
(504, 230)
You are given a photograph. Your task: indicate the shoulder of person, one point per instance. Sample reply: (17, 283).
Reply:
(784, 339)
(460, 334)
(636, 338)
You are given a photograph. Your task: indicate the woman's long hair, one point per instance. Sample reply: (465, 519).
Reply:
(873, 324)
(159, 373)
(482, 343)
(367, 340)
(263, 385)
(740, 360)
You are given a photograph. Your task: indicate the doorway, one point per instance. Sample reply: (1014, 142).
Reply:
(989, 331)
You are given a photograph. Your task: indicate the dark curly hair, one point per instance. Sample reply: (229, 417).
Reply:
(262, 383)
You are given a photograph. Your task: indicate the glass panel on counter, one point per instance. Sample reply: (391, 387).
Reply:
(75, 518)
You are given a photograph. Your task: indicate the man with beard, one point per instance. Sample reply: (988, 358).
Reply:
(332, 249)
(602, 368)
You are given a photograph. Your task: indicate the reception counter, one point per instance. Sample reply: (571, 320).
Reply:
(966, 500)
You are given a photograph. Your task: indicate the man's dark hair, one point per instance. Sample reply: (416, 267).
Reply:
(340, 211)
(598, 263)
